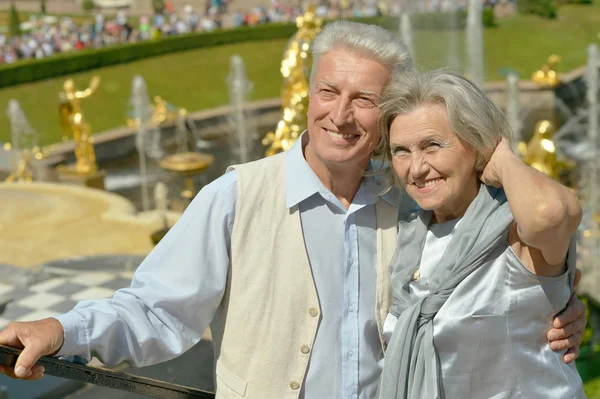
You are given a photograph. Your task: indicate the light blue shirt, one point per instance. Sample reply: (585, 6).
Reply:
(177, 289)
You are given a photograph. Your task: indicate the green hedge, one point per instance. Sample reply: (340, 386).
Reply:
(543, 8)
(32, 70)
(62, 64)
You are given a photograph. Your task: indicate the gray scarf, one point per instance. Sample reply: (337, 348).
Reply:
(412, 367)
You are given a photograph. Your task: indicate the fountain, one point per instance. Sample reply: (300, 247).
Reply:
(161, 193)
(474, 38)
(24, 137)
(24, 140)
(244, 130)
(142, 113)
(513, 107)
(406, 31)
(151, 138)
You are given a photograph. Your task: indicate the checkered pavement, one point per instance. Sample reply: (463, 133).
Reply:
(59, 294)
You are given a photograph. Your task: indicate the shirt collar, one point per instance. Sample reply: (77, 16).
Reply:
(302, 182)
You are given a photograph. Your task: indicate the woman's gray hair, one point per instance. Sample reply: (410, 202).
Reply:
(371, 41)
(473, 117)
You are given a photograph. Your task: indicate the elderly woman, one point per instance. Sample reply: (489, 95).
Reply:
(485, 262)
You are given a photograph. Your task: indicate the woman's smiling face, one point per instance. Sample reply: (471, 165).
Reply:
(434, 165)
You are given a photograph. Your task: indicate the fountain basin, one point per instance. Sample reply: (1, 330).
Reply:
(45, 222)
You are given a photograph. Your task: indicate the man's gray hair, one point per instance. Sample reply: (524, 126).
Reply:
(473, 117)
(372, 41)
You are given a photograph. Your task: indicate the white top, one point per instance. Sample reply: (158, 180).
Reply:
(436, 242)
(490, 334)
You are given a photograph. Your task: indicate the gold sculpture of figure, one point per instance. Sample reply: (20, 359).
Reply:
(65, 110)
(540, 152)
(72, 117)
(161, 112)
(23, 171)
(547, 76)
(295, 69)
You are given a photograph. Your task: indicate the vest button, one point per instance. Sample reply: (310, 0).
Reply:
(304, 349)
(294, 385)
(313, 312)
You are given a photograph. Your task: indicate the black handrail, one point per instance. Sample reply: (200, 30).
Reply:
(107, 378)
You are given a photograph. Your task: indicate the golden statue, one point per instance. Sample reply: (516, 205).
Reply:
(23, 171)
(72, 121)
(65, 109)
(540, 152)
(295, 69)
(161, 112)
(547, 76)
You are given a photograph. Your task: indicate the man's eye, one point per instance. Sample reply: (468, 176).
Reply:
(365, 101)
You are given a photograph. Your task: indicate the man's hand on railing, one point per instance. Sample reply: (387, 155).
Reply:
(36, 338)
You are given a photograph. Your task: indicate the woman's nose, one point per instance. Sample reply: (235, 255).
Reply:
(418, 166)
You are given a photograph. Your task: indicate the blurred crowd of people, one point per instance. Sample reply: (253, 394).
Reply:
(49, 35)
(331, 9)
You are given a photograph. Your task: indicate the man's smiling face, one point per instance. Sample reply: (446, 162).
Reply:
(343, 109)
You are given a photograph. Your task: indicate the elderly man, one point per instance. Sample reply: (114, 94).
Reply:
(285, 257)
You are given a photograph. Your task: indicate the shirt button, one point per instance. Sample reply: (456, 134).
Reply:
(304, 349)
(294, 385)
(313, 312)
(350, 353)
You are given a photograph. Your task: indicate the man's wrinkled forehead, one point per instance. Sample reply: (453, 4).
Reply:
(338, 87)
(323, 78)
(341, 49)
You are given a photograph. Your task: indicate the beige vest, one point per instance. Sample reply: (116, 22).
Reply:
(268, 318)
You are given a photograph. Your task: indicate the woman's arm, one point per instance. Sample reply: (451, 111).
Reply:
(542, 208)
(546, 212)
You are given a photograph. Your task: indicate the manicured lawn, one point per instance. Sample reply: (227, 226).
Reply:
(592, 389)
(193, 79)
(196, 79)
(522, 43)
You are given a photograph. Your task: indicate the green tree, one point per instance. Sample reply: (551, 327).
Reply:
(158, 5)
(43, 6)
(88, 5)
(14, 28)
